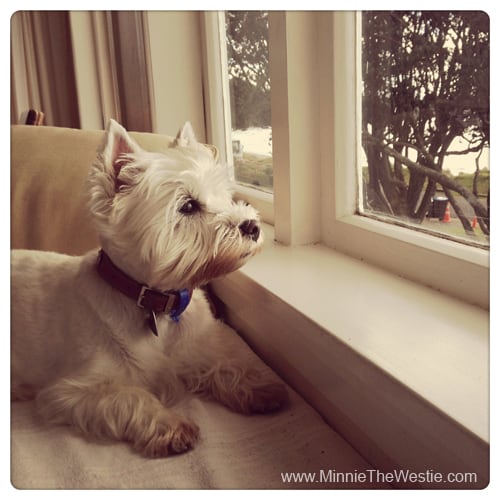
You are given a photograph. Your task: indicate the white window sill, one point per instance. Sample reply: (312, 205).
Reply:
(343, 331)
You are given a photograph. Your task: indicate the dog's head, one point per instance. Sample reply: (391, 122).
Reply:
(168, 219)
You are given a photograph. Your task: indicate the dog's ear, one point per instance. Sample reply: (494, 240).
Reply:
(117, 150)
(185, 137)
(117, 146)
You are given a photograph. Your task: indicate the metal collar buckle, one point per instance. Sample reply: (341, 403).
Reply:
(168, 305)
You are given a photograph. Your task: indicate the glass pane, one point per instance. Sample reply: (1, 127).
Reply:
(250, 94)
(425, 121)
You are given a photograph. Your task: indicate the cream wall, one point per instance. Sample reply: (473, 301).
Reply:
(176, 64)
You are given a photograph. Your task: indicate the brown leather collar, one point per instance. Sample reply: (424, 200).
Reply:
(154, 301)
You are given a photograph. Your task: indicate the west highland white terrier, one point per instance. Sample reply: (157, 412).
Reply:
(108, 342)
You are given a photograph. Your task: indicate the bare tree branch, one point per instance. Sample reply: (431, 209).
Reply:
(435, 175)
(475, 149)
(460, 214)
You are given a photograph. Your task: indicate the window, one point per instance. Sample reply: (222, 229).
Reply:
(316, 119)
(425, 121)
(250, 97)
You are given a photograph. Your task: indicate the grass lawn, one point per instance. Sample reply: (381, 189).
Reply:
(255, 170)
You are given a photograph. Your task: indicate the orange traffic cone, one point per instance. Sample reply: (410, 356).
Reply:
(447, 214)
(474, 222)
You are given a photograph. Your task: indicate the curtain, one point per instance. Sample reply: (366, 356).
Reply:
(81, 68)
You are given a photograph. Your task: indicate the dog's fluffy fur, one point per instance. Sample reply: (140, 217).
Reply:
(84, 350)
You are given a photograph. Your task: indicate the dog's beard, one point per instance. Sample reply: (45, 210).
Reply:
(193, 267)
(221, 265)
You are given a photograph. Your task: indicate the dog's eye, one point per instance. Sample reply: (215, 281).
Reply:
(190, 207)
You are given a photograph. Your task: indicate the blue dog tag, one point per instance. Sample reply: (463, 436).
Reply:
(184, 300)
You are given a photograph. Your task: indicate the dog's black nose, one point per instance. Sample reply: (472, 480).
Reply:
(250, 228)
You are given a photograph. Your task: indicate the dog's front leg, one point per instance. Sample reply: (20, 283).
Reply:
(108, 409)
(244, 390)
(221, 368)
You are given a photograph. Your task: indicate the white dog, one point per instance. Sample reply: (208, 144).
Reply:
(107, 341)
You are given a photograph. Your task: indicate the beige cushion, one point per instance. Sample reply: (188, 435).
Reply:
(49, 168)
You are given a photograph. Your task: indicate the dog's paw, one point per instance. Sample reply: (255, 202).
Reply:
(171, 435)
(267, 398)
(184, 436)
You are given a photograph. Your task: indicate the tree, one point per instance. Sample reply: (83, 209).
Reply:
(248, 64)
(425, 83)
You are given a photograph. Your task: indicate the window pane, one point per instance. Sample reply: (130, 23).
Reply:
(425, 121)
(250, 94)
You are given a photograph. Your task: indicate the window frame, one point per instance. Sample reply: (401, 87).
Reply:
(319, 204)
